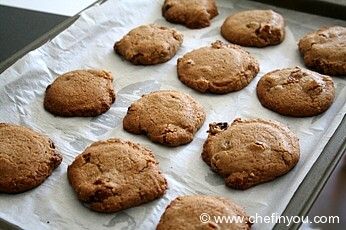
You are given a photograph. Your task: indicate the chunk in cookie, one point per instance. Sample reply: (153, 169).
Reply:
(113, 175)
(168, 117)
(250, 152)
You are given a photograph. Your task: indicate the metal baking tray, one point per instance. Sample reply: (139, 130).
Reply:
(320, 172)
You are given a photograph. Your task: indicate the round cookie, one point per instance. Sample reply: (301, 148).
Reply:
(296, 92)
(26, 158)
(200, 211)
(113, 175)
(80, 93)
(250, 152)
(194, 14)
(168, 117)
(149, 44)
(325, 50)
(220, 68)
(258, 28)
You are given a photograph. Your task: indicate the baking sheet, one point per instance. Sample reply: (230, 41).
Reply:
(88, 44)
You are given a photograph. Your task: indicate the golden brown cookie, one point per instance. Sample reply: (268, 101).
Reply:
(256, 28)
(27, 158)
(250, 152)
(202, 212)
(113, 175)
(149, 44)
(168, 117)
(220, 68)
(193, 14)
(325, 50)
(296, 92)
(80, 93)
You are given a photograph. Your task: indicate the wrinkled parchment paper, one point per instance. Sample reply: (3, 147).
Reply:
(88, 43)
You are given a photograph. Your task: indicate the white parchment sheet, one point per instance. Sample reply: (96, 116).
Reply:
(88, 43)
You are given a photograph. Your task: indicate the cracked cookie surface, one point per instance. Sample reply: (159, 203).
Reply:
(220, 68)
(187, 212)
(27, 158)
(149, 44)
(168, 117)
(113, 175)
(325, 50)
(80, 93)
(296, 92)
(250, 152)
(193, 14)
(258, 28)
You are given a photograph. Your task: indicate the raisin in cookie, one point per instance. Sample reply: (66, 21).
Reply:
(149, 44)
(80, 93)
(296, 92)
(193, 14)
(168, 117)
(258, 28)
(198, 212)
(220, 68)
(113, 175)
(325, 50)
(249, 152)
(27, 158)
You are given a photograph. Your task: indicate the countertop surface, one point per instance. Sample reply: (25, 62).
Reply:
(20, 27)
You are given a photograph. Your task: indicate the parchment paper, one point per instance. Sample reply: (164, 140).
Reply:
(88, 43)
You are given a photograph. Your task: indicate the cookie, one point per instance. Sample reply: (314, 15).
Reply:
(168, 117)
(201, 212)
(113, 175)
(194, 14)
(296, 92)
(325, 50)
(27, 158)
(80, 93)
(257, 28)
(250, 152)
(149, 44)
(220, 68)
